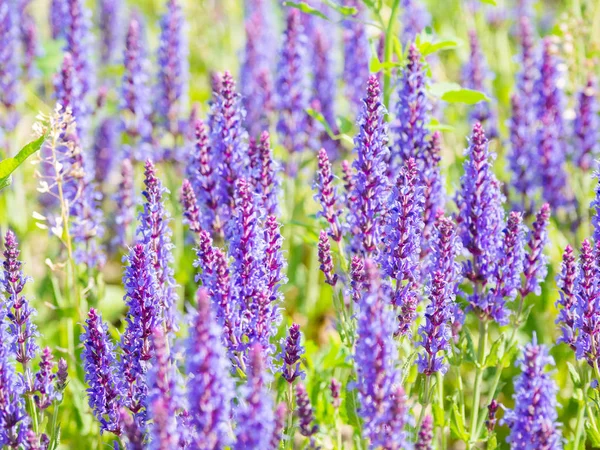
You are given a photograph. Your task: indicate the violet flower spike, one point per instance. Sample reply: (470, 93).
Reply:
(228, 143)
(202, 177)
(162, 403)
(291, 86)
(173, 73)
(280, 418)
(533, 421)
(433, 191)
(154, 231)
(476, 75)
(413, 110)
(356, 55)
(124, 201)
(425, 436)
(210, 387)
(110, 18)
(371, 182)
(550, 136)
(335, 387)
(305, 412)
(481, 217)
(435, 334)
(191, 212)
(58, 18)
(376, 362)
(44, 381)
(325, 260)
(18, 310)
(415, 18)
(587, 311)
(267, 184)
(535, 266)
(587, 126)
(255, 418)
(10, 64)
(106, 144)
(327, 196)
(567, 302)
(106, 387)
(135, 94)
(79, 41)
(291, 352)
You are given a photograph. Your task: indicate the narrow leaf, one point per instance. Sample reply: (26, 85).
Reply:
(306, 8)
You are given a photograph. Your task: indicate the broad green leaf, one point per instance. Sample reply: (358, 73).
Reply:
(344, 125)
(9, 165)
(492, 442)
(489, 2)
(438, 415)
(352, 406)
(306, 8)
(427, 48)
(435, 125)
(439, 89)
(457, 425)
(467, 96)
(496, 352)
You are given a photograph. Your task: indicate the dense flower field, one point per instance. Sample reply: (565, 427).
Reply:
(260, 224)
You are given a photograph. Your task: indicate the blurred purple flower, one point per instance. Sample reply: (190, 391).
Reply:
(209, 388)
(356, 55)
(110, 17)
(415, 18)
(124, 199)
(533, 421)
(425, 436)
(10, 63)
(305, 412)
(173, 72)
(433, 191)
(327, 196)
(106, 147)
(586, 126)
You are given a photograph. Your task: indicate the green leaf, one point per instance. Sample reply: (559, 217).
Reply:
(343, 10)
(306, 8)
(492, 442)
(427, 48)
(435, 125)
(352, 407)
(457, 425)
(489, 2)
(438, 415)
(574, 374)
(9, 165)
(344, 125)
(467, 96)
(321, 119)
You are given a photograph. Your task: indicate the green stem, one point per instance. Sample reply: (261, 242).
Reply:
(579, 427)
(426, 401)
(440, 381)
(387, 76)
(54, 427)
(290, 422)
(32, 409)
(483, 332)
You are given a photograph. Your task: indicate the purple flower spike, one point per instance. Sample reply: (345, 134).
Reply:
(191, 212)
(255, 74)
(376, 362)
(58, 18)
(305, 412)
(68, 88)
(124, 200)
(506, 280)
(357, 277)
(203, 179)
(173, 66)
(535, 265)
(135, 93)
(441, 287)
(324, 83)
(79, 42)
(29, 39)
(210, 387)
(291, 85)
(110, 18)
(415, 18)
(291, 351)
(567, 302)
(18, 309)
(587, 311)
(273, 261)
(162, 403)
(255, 418)
(105, 148)
(371, 182)
(550, 136)
(476, 75)
(587, 126)
(154, 231)
(425, 436)
(412, 112)
(105, 385)
(280, 417)
(402, 243)
(356, 55)
(228, 138)
(433, 189)
(327, 196)
(62, 375)
(325, 259)
(491, 420)
(44, 381)
(10, 64)
(533, 421)
(481, 217)
(267, 184)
